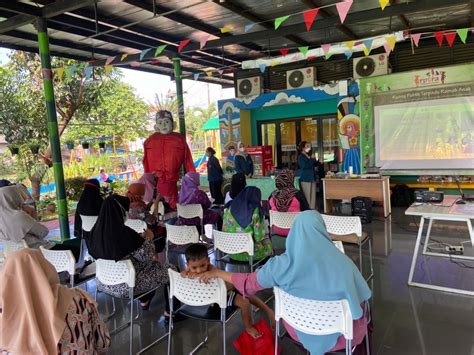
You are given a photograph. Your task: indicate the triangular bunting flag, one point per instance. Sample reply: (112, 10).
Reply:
(144, 52)
(220, 71)
(368, 44)
(275, 62)
(439, 37)
(203, 41)
(462, 33)
(450, 37)
(311, 57)
(183, 44)
(225, 29)
(109, 60)
(160, 49)
(391, 40)
(348, 54)
(72, 70)
(303, 50)
(349, 44)
(280, 20)
(325, 48)
(295, 57)
(387, 47)
(383, 3)
(367, 51)
(415, 37)
(60, 73)
(88, 71)
(123, 57)
(309, 17)
(209, 73)
(343, 8)
(108, 69)
(262, 68)
(284, 51)
(196, 76)
(328, 55)
(249, 27)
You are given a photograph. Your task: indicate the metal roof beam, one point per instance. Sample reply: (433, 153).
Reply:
(352, 18)
(190, 21)
(245, 13)
(25, 18)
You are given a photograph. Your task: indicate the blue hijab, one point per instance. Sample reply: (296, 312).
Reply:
(243, 205)
(313, 268)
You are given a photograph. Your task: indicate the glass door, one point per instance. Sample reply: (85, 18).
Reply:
(288, 141)
(268, 137)
(330, 146)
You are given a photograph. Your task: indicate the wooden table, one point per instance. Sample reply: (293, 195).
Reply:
(345, 189)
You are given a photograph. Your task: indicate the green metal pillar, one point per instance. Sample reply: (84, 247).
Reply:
(179, 94)
(53, 131)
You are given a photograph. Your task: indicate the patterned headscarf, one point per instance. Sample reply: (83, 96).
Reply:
(285, 191)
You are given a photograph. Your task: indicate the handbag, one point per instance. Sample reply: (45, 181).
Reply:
(263, 345)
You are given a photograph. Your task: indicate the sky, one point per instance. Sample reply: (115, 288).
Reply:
(146, 85)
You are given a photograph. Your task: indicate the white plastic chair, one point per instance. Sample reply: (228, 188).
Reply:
(313, 317)
(193, 293)
(339, 246)
(235, 243)
(348, 229)
(109, 273)
(10, 247)
(283, 220)
(62, 260)
(191, 211)
(88, 222)
(137, 225)
(180, 235)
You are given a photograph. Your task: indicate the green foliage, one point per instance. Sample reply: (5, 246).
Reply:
(91, 164)
(74, 187)
(121, 113)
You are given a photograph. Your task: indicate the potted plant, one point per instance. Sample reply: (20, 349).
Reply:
(85, 145)
(70, 145)
(34, 147)
(14, 148)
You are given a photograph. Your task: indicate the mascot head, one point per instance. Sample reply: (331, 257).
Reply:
(164, 122)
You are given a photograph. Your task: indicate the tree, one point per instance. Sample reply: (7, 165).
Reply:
(121, 113)
(23, 113)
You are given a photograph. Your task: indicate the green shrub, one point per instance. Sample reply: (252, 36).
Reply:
(74, 187)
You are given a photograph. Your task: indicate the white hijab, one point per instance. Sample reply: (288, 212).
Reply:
(14, 223)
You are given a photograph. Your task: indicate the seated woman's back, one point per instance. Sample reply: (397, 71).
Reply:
(61, 320)
(245, 214)
(286, 198)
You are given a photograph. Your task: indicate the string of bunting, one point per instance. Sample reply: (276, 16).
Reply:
(151, 55)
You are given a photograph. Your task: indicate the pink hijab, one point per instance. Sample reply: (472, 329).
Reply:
(150, 180)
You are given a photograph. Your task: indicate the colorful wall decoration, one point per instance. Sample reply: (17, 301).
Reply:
(237, 117)
(414, 83)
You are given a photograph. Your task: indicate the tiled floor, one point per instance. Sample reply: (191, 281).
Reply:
(407, 320)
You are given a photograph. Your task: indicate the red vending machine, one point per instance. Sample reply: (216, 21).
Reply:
(262, 157)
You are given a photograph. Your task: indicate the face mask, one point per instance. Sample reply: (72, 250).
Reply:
(242, 150)
(307, 150)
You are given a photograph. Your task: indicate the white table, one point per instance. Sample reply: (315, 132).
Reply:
(448, 210)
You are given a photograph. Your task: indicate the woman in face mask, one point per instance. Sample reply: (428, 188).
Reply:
(243, 161)
(307, 173)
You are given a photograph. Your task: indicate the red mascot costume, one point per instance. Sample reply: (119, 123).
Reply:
(165, 153)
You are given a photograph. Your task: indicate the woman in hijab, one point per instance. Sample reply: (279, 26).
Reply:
(17, 223)
(149, 179)
(237, 184)
(190, 194)
(312, 268)
(61, 321)
(243, 161)
(244, 214)
(89, 204)
(286, 198)
(111, 239)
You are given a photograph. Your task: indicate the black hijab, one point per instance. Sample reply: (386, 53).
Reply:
(110, 238)
(238, 183)
(89, 204)
(244, 204)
